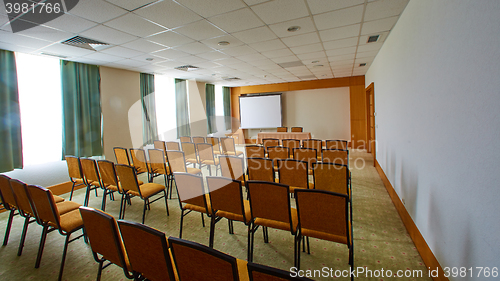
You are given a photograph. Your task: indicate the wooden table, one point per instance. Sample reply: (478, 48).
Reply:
(283, 135)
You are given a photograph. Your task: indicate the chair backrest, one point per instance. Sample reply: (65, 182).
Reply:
(139, 160)
(255, 151)
(313, 143)
(306, 154)
(198, 139)
(104, 236)
(277, 152)
(43, 201)
(159, 144)
(291, 144)
(293, 172)
(7, 194)
(260, 169)
(215, 143)
(176, 161)
(205, 151)
(297, 129)
(331, 177)
(147, 250)
(157, 161)
(108, 173)
(270, 142)
(90, 172)
(226, 195)
(185, 139)
(325, 212)
(128, 178)
(227, 144)
(121, 155)
(258, 272)
(189, 149)
(74, 167)
(336, 144)
(191, 190)
(210, 264)
(281, 129)
(22, 198)
(172, 145)
(339, 156)
(269, 200)
(232, 167)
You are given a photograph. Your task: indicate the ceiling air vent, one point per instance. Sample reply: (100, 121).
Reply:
(85, 43)
(373, 38)
(231, 78)
(187, 67)
(362, 64)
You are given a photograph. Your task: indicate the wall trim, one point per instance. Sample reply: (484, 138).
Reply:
(419, 241)
(65, 187)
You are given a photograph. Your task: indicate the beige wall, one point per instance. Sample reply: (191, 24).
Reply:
(197, 108)
(120, 90)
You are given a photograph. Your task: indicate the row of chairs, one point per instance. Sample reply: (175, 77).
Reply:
(319, 213)
(317, 144)
(293, 129)
(340, 156)
(223, 145)
(146, 253)
(38, 204)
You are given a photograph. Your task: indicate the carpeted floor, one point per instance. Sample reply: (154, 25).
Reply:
(381, 242)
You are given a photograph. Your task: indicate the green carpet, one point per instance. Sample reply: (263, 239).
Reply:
(380, 238)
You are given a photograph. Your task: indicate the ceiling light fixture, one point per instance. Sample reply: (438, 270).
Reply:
(293, 28)
(149, 59)
(223, 43)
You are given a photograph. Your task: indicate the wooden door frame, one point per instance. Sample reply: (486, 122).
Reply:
(371, 140)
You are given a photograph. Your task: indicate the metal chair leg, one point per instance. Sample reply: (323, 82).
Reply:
(41, 246)
(9, 225)
(63, 261)
(23, 235)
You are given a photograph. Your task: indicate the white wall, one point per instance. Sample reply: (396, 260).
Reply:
(437, 101)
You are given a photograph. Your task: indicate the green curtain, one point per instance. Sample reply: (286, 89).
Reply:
(11, 149)
(149, 125)
(210, 101)
(181, 109)
(81, 98)
(226, 97)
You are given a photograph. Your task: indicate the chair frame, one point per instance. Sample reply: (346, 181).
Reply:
(222, 158)
(316, 144)
(282, 129)
(168, 176)
(251, 150)
(258, 159)
(229, 150)
(72, 179)
(285, 143)
(137, 166)
(208, 149)
(345, 144)
(197, 138)
(187, 154)
(91, 182)
(116, 157)
(29, 218)
(10, 206)
(169, 145)
(185, 139)
(115, 182)
(297, 129)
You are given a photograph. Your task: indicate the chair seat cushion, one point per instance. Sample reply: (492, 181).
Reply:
(237, 217)
(192, 160)
(324, 235)
(148, 189)
(237, 152)
(58, 199)
(193, 171)
(279, 224)
(292, 188)
(211, 162)
(71, 221)
(200, 209)
(67, 206)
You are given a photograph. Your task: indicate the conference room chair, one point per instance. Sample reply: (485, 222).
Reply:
(158, 166)
(255, 151)
(314, 143)
(206, 157)
(105, 241)
(339, 156)
(270, 207)
(232, 167)
(215, 144)
(139, 162)
(282, 129)
(192, 196)
(185, 139)
(267, 142)
(259, 272)
(75, 173)
(209, 264)
(336, 144)
(121, 155)
(226, 200)
(323, 215)
(159, 144)
(297, 129)
(198, 139)
(228, 147)
(9, 203)
(177, 163)
(51, 219)
(260, 169)
(110, 179)
(294, 173)
(291, 144)
(91, 178)
(189, 149)
(172, 145)
(306, 154)
(277, 152)
(127, 176)
(147, 250)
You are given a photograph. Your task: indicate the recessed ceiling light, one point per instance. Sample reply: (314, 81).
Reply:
(223, 43)
(293, 28)
(149, 59)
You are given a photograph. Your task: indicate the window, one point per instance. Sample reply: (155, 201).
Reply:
(165, 107)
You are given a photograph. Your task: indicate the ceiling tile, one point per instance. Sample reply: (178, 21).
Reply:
(128, 62)
(366, 54)
(281, 60)
(369, 47)
(215, 55)
(131, 5)
(384, 8)
(339, 18)
(281, 29)
(170, 39)
(65, 50)
(314, 55)
(134, 25)
(170, 54)
(229, 61)
(214, 42)
(268, 45)
(122, 52)
(238, 20)
(194, 48)
(341, 57)
(264, 64)
(341, 51)
(207, 64)
(200, 30)
(97, 10)
(278, 53)
(149, 58)
(177, 14)
(46, 33)
(251, 57)
(143, 46)
(24, 41)
(15, 48)
(239, 51)
(289, 10)
(255, 35)
(108, 35)
(103, 57)
(89, 61)
(322, 6)
(70, 23)
(191, 60)
(340, 32)
(211, 8)
(300, 40)
(307, 48)
(378, 25)
(342, 43)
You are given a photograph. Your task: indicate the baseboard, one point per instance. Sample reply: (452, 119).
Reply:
(419, 241)
(64, 187)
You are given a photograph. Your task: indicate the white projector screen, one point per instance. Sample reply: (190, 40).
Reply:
(260, 111)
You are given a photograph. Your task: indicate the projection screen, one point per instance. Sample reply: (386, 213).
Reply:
(260, 111)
